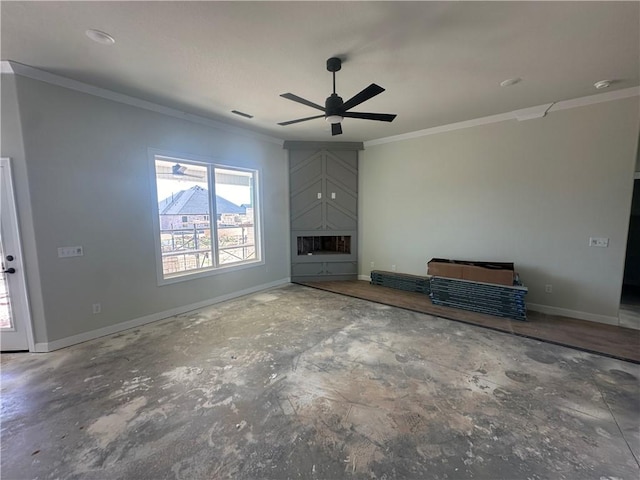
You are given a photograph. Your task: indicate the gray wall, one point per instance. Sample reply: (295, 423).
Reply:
(90, 179)
(530, 192)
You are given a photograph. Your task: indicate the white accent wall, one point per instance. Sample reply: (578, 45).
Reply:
(531, 192)
(83, 177)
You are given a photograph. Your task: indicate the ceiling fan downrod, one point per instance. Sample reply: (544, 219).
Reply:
(334, 64)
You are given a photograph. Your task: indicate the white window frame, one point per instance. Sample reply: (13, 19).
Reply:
(212, 163)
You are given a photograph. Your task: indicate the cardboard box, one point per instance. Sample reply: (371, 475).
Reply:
(501, 273)
(440, 267)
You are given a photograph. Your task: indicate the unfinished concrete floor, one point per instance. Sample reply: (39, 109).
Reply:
(300, 383)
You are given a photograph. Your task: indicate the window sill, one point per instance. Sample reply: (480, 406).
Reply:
(186, 276)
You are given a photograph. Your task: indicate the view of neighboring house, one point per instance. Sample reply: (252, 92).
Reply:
(189, 208)
(185, 232)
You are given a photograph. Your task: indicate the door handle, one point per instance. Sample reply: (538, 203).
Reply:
(9, 270)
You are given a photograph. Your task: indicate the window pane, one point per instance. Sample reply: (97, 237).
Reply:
(184, 209)
(235, 200)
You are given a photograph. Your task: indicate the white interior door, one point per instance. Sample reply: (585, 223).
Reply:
(15, 323)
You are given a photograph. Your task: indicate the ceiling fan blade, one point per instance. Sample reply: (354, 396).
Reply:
(295, 98)
(336, 129)
(381, 117)
(300, 120)
(369, 92)
(178, 169)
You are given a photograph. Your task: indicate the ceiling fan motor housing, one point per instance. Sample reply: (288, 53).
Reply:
(333, 105)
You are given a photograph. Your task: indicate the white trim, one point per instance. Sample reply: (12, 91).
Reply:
(533, 112)
(597, 98)
(137, 322)
(21, 297)
(565, 312)
(186, 276)
(501, 117)
(7, 66)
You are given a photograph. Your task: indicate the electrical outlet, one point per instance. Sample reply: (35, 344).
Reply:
(548, 288)
(372, 264)
(598, 242)
(96, 308)
(64, 252)
(393, 268)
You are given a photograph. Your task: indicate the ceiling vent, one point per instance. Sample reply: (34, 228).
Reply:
(242, 114)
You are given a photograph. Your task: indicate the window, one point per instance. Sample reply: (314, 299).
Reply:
(189, 194)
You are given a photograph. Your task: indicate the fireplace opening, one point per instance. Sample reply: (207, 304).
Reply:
(324, 245)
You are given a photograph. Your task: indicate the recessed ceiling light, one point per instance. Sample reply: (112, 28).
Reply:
(602, 84)
(100, 37)
(510, 81)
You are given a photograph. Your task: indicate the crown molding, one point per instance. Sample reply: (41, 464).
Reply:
(302, 145)
(10, 67)
(5, 67)
(531, 113)
(597, 98)
(538, 111)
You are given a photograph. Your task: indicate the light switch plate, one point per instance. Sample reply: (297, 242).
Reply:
(598, 242)
(65, 252)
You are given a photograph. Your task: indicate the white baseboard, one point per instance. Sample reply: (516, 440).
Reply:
(564, 312)
(154, 317)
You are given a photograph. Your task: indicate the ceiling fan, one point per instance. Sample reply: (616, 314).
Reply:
(177, 171)
(335, 110)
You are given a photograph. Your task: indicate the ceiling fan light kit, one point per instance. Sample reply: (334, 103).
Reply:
(335, 109)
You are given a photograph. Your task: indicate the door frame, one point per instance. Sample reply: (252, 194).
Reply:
(19, 298)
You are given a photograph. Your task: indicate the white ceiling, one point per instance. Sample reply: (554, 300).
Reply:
(440, 62)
